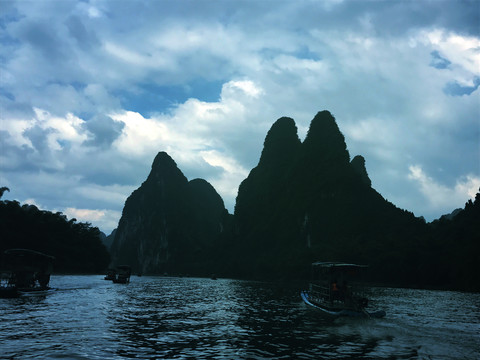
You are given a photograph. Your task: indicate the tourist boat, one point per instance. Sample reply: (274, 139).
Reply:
(27, 272)
(335, 291)
(122, 274)
(111, 274)
(7, 288)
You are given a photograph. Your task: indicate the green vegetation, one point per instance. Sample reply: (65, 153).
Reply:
(76, 246)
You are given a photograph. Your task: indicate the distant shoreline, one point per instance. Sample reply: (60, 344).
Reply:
(283, 281)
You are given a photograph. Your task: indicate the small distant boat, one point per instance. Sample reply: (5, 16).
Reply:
(333, 292)
(27, 272)
(111, 274)
(123, 273)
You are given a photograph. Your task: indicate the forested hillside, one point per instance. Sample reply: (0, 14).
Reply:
(452, 249)
(307, 201)
(169, 224)
(76, 246)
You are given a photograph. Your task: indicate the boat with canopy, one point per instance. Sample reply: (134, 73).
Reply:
(123, 273)
(25, 272)
(335, 290)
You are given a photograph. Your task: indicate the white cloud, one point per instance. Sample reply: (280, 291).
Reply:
(68, 128)
(196, 134)
(441, 198)
(232, 175)
(44, 128)
(246, 87)
(191, 126)
(139, 136)
(378, 134)
(93, 12)
(113, 195)
(84, 214)
(106, 201)
(155, 61)
(15, 128)
(461, 50)
(67, 67)
(104, 219)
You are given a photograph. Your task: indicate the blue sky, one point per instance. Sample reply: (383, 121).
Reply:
(91, 91)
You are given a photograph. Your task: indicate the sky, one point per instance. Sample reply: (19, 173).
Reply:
(91, 91)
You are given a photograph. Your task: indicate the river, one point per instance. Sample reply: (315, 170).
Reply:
(86, 317)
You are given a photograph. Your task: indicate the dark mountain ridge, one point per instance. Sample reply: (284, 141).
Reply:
(169, 224)
(311, 202)
(304, 201)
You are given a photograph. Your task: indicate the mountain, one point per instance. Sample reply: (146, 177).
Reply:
(169, 224)
(358, 164)
(452, 215)
(108, 240)
(453, 245)
(303, 202)
(307, 201)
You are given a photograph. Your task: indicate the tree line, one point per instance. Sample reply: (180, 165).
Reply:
(76, 246)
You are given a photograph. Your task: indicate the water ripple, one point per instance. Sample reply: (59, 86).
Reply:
(179, 318)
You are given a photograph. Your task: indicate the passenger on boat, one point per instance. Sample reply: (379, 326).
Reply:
(345, 292)
(43, 279)
(25, 279)
(335, 290)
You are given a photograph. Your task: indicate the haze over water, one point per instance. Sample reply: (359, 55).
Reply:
(86, 317)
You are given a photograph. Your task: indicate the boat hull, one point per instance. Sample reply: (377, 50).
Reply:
(9, 292)
(14, 292)
(334, 313)
(35, 291)
(121, 281)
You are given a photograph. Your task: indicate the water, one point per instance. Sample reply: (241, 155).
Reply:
(87, 317)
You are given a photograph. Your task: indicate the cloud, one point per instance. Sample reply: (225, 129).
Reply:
(463, 51)
(85, 39)
(103, 219)
(104, 130)
(44, 141)
(438, 61)
(456, 89)
(197, 135)
(86, 103)
(232, 174)
(441, 197)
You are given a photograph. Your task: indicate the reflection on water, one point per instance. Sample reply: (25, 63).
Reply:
(156, 317)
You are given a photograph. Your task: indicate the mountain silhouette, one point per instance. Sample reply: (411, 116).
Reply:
(307, 201)
(168, 224)
(303, 202)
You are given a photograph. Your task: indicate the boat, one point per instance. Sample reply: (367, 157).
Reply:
(336, 292)
(123, 273)
(7, 287)
(27, 272)
(111, 274)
